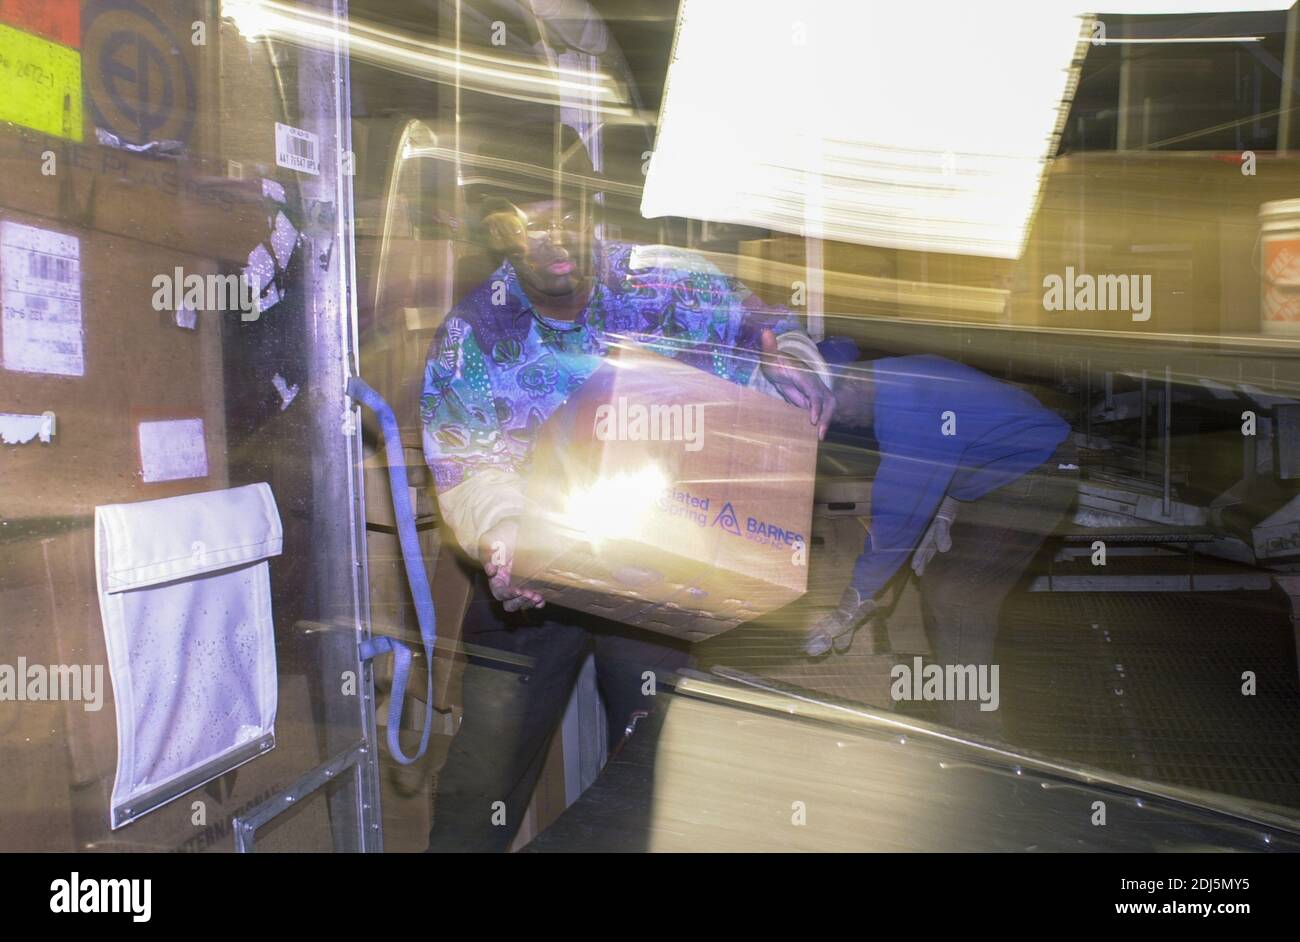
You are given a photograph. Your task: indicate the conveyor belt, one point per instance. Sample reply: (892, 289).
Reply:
(1181, 718)
(1178, 659)
(731, 767)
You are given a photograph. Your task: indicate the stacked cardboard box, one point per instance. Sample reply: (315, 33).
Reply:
(132, 179)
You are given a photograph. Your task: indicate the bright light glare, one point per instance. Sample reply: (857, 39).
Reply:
(523, 79)
(923, 125)
(251, 18)
(617, 506)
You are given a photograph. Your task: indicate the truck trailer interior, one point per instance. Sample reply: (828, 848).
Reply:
(329, 522)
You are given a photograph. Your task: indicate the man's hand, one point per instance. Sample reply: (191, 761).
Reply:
(800, 385)
(937, 539)
(497, 553)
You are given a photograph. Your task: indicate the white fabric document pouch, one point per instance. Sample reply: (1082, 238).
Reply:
(185, 595)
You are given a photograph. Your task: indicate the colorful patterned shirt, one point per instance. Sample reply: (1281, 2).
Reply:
(497, 371)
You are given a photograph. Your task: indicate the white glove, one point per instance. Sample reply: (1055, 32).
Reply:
(937, 538)
(835, 629)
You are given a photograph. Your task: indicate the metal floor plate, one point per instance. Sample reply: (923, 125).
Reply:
(1151, 685)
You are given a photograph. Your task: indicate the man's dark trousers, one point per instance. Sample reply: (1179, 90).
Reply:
(513, 705)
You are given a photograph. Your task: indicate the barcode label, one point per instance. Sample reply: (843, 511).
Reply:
(40, 301)
(297, 149)
(50, 268)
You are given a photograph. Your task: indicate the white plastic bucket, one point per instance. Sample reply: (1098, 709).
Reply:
(1279, 267)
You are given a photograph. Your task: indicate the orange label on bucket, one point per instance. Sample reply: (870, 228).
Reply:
(1280, 298)
(1281, 306)
(1282, 262)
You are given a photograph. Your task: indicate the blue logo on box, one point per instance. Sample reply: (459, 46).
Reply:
(726, 518)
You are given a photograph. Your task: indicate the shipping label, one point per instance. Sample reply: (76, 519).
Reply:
(297, 149)
(173, 450)
(40, 298)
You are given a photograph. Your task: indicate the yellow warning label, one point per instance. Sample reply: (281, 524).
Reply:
(40, 84)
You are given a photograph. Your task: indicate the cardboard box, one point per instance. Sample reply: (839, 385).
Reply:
(256, 88)
(87, 347)
(37, 739)
(202, 820)
(67, 752)
(194, 198)
(137, 367)
(406, 798)
(669, 499)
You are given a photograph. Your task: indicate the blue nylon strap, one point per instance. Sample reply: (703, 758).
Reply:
(415, 575)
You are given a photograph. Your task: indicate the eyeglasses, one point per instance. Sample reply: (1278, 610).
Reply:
(543, 226)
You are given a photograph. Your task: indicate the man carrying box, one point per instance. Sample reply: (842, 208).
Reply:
(506, 358)
(970, 468)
